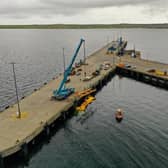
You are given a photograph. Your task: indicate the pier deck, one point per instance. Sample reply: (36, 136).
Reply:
(140, 70)
(39, 110)
(143, 65)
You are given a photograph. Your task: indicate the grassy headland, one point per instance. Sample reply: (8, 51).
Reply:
(85, 26)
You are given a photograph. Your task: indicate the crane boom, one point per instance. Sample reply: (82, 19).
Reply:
(63, 92)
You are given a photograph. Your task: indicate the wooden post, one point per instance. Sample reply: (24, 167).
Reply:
(47, 130)
(2, 162)
(137, 76)
(25, 151)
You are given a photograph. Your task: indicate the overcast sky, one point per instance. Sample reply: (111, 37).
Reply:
(83, 11)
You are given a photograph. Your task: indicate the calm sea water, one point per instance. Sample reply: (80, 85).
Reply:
(140, 140)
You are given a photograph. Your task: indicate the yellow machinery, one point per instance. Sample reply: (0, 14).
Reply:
(84, 105)
(160, 73)
(85, 92)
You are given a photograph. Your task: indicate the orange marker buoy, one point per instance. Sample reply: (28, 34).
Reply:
(119, 115)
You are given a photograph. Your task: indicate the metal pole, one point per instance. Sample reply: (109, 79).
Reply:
(84, 52)
(107, 39)
(14, 76)
(63, 58)
(63, 49)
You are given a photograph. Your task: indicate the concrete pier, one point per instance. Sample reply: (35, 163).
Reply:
(139, 69)
(39, 112)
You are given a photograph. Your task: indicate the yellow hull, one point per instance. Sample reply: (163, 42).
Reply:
(84, 105)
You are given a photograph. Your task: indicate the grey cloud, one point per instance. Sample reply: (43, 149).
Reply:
(41, 9)
(157, 8)
(95, 3)
(44, 8)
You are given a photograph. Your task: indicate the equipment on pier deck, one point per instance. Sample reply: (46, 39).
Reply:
(62, 92)
(85, 93)
(158, 72)
(117, 47)
(86, 102)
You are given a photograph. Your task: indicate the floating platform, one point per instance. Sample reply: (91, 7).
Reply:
(39, 112)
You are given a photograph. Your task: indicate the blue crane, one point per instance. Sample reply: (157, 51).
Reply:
(62, 92)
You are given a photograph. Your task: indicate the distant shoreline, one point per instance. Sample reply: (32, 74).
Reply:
(87, 26)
